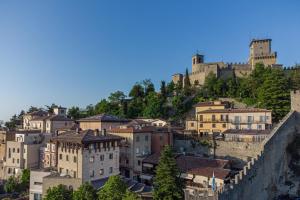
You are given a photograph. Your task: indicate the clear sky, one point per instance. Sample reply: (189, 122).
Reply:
(77, 52)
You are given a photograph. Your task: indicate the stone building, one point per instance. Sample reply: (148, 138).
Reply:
(260, 52)
(216, 117)
(87, 155)
(135, 146)
(23, 153)
(101, 122)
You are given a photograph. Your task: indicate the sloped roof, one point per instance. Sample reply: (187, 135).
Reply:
(250, 110)
(86, 136)
(103, 118)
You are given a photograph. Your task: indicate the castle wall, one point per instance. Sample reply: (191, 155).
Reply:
(295, 100)
(265, 177)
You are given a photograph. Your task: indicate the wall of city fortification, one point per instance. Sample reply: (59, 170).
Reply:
(295, 100)
(265, 177)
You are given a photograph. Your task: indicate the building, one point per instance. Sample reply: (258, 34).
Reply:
(155, 122)
(238, 135)
(48, 122)
(217, 117)
(161, 137)
(87, 155)
(23, 153)
(197, 172)
(5, 136)
(36, 183)
(134, 147)
(101, 122)
(260, 52)
(48, 157)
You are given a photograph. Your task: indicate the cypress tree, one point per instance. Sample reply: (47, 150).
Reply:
(167, 183)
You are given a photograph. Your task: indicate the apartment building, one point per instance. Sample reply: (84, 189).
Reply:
(209, 119)
(23, 153)
(48, 157)
(134, 147)
(48, 122)
(101, 122)
(87, 155)
(5, 136)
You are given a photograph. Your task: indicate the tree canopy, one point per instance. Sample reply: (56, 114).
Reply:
(114, 189)
(58, 192)
(85, 192)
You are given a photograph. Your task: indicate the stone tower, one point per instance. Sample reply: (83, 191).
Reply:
(295, 100)
(261, 52)
(196, 60)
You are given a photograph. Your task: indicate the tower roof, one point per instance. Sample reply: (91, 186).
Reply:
(260, 40)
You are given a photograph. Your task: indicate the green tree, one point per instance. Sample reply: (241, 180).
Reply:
(85, 192)
(154, 107)
(74, 113)
(163, 89)
(114, 189)
(148, 86)
(25, 179)
(130, 196)
(295, 79)
(90, 110)
(274, 94)
(187, 83)
(167, 183)
(209, 85)
(137, 91)
(116, 97)
(170, 88)
(11, 184)
(51, 107)
(59, 192)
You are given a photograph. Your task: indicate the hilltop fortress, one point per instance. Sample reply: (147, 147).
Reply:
(260, 52)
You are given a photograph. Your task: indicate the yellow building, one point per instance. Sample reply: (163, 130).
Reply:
(217, 117)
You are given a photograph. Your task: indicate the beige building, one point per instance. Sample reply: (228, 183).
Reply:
(87, 155)
(101, 122)
(134, 147)
(48, 157)
(260, 52)
(23, 153)
(48, 123)
(216, 117)
(36, 183)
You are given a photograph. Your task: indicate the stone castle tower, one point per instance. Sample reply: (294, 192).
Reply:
(261, 52)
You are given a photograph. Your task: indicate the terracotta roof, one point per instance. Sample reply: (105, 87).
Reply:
(86, 136)
(234, 110)
(103, 118)
(209, 171)
(146, 129)
(187, 163)
(247, 132)
(37, 113)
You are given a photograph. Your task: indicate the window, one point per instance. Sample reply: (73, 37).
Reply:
(74, 174)
(214, 125)
(13, 160)
(67, 171)
(237, 119)
(14, 150)
(111, 156)
(259, 127)
(249, 126)
(9, 153)
(250, 119)
(146, 138)
(91, 173)
(192, 124)
(60, 156)
(24, 150)
(137, 139)
(201, 118)
(74, 159)
(37, 196)
(91, 159)
(201, 125)
(213, 118)
(67, 157)
(224, 125)
(237, 127)
(110, 170)
(139, 163)
(18, 150)
(18, 161)
(38, 183)
(101, 172)
(101, 157)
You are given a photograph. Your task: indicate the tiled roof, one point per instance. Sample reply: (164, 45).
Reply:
(210, 103)
(52, 118)
(209, 171)
(38, 113)
(86, 136)
(247, 132)
(103, 118)
(146, 129)
(234, 110)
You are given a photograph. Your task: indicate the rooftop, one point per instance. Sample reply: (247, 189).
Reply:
(250, 110)
(103, 118)
(52, 118)
(260, 40)
(85, 137)
(209, 172)
(212, 103)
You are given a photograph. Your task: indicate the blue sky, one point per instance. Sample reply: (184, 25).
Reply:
(77, 52)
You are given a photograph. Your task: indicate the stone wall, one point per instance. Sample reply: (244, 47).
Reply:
(268, 175)
(295, 100)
